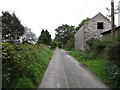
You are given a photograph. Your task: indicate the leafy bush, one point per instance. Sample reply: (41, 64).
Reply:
(60, 45)
(91, 42)
(70, 44)
(53, 44)
(23, 82)
(96, 45)
(23, 63)
(113, 52)
(112, 71)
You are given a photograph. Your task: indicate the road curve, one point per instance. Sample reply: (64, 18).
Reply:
(65, 72)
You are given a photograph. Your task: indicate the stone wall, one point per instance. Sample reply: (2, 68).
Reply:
(90, 30)
(108, 35)
(79, 39)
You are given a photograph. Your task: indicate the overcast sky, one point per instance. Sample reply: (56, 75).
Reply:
(49, 14)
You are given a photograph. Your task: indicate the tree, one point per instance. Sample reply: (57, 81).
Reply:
(70, 44)
(44, 38)
(53, 44)
(12, 29)
(29, 36)
(64, 33)
(81, 24)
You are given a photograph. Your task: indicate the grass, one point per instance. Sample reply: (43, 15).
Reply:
(102, 59)
(29, 61)
(106, 71)
(96, 66)
(84, 55)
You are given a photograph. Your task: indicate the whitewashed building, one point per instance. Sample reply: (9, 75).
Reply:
(91, 29)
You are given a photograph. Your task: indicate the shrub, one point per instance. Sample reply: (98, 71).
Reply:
(98, 46)
(23, 65)
(60, 45)
(113, 52)
(24, 82)
(70, 44)
(95, 44)
(112, 71)
(91, 42)
(53, 44)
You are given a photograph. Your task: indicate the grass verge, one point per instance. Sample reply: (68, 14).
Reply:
(23, 66)
(107, 71)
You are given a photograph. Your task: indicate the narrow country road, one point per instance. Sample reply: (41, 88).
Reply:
(65, 72)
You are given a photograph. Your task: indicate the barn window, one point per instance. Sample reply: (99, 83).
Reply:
(99, 25)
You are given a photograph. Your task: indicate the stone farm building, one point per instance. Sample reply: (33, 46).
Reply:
(91, 29)
(107, 34)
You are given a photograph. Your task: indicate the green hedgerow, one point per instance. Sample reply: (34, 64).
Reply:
(113, 52)
(24, 65)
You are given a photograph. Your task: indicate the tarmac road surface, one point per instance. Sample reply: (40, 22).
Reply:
(65, 72)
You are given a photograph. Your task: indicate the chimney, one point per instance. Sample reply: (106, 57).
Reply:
(119, 13)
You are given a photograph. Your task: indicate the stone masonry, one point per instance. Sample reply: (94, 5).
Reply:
(91, 29)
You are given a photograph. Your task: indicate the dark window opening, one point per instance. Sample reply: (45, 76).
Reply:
(100, 25)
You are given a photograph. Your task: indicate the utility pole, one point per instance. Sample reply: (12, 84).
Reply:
(112, 20)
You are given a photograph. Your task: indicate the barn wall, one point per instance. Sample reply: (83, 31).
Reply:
(89, 30)
(79, 39)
